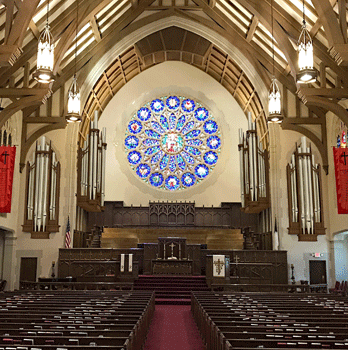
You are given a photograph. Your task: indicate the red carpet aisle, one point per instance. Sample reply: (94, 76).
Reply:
(173, 328)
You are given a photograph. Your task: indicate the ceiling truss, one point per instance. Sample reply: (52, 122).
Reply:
(246, 24)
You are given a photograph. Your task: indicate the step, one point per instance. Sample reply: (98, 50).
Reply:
(176, 301)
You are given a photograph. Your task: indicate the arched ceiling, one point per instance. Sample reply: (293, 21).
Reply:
(245, 24)
(185, 47)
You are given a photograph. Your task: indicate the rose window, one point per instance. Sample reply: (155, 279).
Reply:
(172, 143)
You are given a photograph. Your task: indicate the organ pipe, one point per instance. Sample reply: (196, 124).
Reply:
(253, 170)
(305, 194)
(91, 169)
(43, 173)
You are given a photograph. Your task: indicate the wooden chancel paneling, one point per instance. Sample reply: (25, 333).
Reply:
(130, 237)
(176, 214)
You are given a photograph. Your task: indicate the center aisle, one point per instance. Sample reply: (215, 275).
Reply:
(173, 328)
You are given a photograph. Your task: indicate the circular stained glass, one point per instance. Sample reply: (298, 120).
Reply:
(172, 143)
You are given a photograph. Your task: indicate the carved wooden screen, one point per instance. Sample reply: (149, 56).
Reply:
(176, 214)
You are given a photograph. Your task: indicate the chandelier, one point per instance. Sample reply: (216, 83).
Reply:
(307, 74)
(45, 55)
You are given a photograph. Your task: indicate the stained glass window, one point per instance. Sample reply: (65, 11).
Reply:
(172, 143)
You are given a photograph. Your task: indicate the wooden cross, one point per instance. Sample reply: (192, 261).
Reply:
(219, 265)
(236, 259)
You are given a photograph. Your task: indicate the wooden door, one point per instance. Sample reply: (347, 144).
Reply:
(28, 269)
(317, 271)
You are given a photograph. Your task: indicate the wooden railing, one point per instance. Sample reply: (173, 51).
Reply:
(28, 285)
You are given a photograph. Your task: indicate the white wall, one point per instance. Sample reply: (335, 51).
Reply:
(299, 253)
(122, 184)
(341, 257)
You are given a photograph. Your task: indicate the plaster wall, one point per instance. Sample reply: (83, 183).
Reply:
(46, 250)
(299, 253)
(122, 184)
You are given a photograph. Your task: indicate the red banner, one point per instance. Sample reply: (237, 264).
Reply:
(7, 161)
(341, 172)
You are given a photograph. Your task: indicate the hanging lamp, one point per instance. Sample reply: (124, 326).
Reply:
(45, 55)
(274, 96)
(74, 103)
(307, 73)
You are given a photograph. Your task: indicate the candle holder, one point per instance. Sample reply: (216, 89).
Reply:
(292, 274)
(53, 275)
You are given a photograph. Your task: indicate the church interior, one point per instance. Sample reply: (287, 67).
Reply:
(180, 160)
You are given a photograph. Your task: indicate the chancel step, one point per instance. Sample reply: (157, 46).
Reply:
(172, 289)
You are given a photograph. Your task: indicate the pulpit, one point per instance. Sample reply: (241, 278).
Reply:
(171, 258)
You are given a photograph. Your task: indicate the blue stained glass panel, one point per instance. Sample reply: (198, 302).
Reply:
(156, 179)
(201, 114)
(172, 163)
(187, 158)
(164, 162)
(152, 134)
(152, 150)
(195, 142)
(210, 158)
(192, 134)
(192, 150)
(144, 114)
(151, 142)
(180, 123)
(180, 161)
(210, 126)
(172, 143)
(143, 170)
(188, 179)
(157, 127)
(189, 126)
(134, 157)
(164, 122)
(135, 127)
(131, 142)
(157, 105)
(201, 171)
(172, 121)
(172, 182)
(157, 157)
(214, 142)
(188, 105)
(173, 102)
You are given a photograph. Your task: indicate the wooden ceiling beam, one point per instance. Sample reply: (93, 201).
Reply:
(95, 29)
(263, 13)
(252, 28)
(337, 93)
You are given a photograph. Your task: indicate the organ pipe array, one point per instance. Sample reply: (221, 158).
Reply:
(305, 194)
(254, 170)
(91, 169)
(42, 192)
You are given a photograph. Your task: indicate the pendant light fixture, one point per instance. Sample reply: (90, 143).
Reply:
(45, 55)
(307, 73)
(74, 102)
(274, 97)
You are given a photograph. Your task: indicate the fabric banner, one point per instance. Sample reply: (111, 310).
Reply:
(218, 265)
(130, 263)
(341, 172)
(122, 263)
(7, 161)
